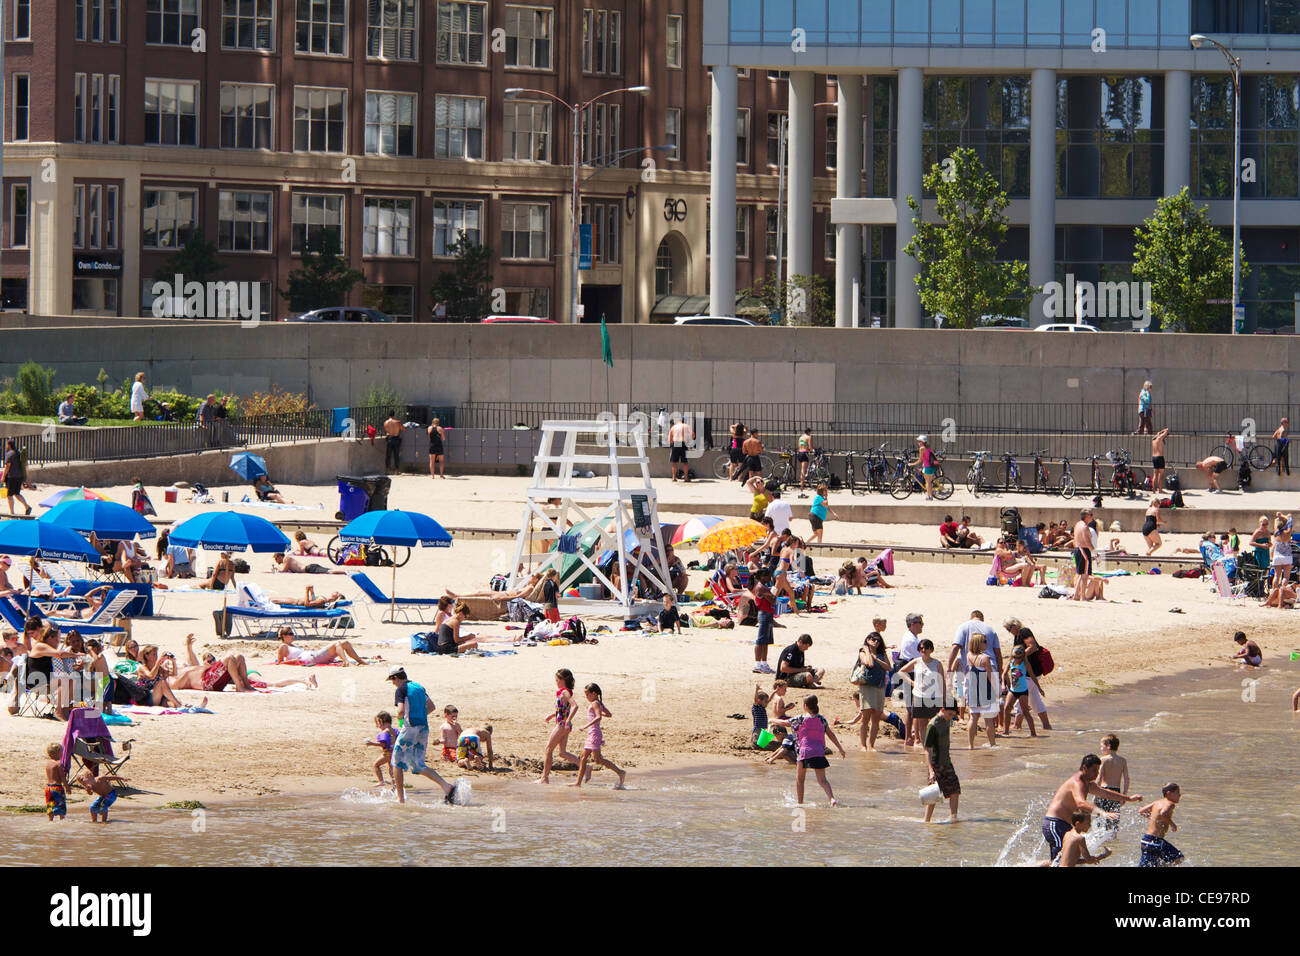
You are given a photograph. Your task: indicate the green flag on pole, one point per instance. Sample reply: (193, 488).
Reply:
(606, 351)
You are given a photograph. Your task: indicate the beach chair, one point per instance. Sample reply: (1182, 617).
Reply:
(729, 600)
(32, 702)
(255, 615)
(99, 623)
(411, 610)
(87, 740)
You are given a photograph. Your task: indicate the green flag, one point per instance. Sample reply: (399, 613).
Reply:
(606, 351)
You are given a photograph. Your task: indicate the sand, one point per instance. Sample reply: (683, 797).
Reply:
(670, 696)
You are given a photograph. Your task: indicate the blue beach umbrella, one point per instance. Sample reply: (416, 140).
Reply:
(50, 542)
(106, 519)
(248, 466)
(229, 531)
(403, 529)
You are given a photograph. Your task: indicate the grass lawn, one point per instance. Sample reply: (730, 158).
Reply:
(96, 422)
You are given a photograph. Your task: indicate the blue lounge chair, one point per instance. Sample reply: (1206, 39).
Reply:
(412, 610)
(100, 624)
(256, 615)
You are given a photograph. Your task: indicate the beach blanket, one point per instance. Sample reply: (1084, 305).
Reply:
(274, 506)
(148, 711)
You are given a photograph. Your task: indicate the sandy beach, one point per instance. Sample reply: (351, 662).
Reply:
(670, 696)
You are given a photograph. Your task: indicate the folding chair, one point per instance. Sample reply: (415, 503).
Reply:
(102, 621)
(32, 702)
(99, 750)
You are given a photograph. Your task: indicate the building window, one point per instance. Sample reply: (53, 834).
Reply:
(664, 270)
(770, 239)
(672, 134)
(828, 246)
(248, 24)
(528, 37)
(171, 113)
(396, 301)
(462, 33)
(390, 29)
(742, 137)
(744, 217)
(390, 124)
(243, 221)
(78, 226)
(322, 27)
(534, 302)
(96, 119)
(94, 295)
(318, 120)
(315, 216)
(94, 195)
(451, 217)
(605, 221)
(600, 134)
(832, 141)
(602, 36)
(13, 293)
(22, 107)
(19, 210)
(22, 19)
(246, 116)
(774, 133)
(527, 134)
(525, 230)
(168, 217)
(110, 216)
(167, 22)
(112, 20)
(458, 127)
(79, 108)
(112, 111)
(387, 226)
(673, 38)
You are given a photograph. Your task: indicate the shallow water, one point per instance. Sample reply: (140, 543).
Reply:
(1235, 759)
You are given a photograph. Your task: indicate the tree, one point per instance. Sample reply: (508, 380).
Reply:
(466, 287)
(808, 300)
(324, 279)
(959, 276)
(196, 260)
(1188, 262)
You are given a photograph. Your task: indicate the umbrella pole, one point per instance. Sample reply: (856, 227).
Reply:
(392, 611)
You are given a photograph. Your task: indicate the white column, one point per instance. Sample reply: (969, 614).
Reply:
(907, 309)
(722, 194)
(1178, 130)
(799, 197)
(848, 185)
(1042, 186)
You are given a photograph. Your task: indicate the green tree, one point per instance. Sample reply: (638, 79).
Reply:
(325, 277)
(466, 287)
(196, 260)
(960, 276)
(801, 300)
(1188, 261)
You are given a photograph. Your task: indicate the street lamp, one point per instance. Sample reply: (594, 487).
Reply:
(1198, 40)
(576, 110)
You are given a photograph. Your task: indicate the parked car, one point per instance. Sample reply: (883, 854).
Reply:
(1066, 327)
(712, 320)
(526, 319)
(342, 314)
(1003, 322)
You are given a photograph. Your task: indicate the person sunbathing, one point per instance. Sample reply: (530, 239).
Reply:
(213, 676)
(130, 560)
(1022, 569)
(266, 491)
(288, 564)
(310, 600)
(523, 590)
(288, 651)
(870, 575)
(223, 575)
(305, 547)
(1283, 595)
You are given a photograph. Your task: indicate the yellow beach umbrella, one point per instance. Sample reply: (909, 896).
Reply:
(732, 534)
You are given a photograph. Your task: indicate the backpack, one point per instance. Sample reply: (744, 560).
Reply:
(498, 582)
(1176, 499)
(575, 630)
(1243, 474)
(1045, 663)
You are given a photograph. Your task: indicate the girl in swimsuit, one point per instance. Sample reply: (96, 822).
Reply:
(449, 637)
(563, 718)
(437, 458)
(1151, 524)
(596, 711)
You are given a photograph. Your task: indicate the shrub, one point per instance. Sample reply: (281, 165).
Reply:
(381, 395)
(36, 388)
(274, 402)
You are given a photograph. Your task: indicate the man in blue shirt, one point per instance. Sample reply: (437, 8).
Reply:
(408, 753)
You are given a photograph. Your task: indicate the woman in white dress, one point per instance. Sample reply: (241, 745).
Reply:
(138, 397)
(981, 689)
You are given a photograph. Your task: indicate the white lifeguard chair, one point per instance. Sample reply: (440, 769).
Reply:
(627, 503)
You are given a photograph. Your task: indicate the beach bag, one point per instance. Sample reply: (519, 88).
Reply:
(1243, 474)
(1045, 663)
(575, 630)
(499, 582)
(859, 673)
(1176, 499)
(420, 643)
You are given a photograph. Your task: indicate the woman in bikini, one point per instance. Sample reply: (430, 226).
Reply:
(288, 651)
(151, 675)
(223, 575)
(305, 547)
(1151, 524)
(450, 640)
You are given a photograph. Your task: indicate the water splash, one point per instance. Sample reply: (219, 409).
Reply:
(1021, 848)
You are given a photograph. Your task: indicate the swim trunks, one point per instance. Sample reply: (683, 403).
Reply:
(467, 746)
(56, 801)
(1158, 852)
(1054, 831)
(1157, 461)
(101, 804)
(1083, 561)
(408, 752)
(946, 778)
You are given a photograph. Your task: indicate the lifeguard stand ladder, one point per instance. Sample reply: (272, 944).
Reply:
(628, 495)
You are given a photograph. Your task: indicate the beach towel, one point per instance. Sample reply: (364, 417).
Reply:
(886, 560)
(150, 711)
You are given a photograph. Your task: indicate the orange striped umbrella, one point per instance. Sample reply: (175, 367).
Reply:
(732, 534)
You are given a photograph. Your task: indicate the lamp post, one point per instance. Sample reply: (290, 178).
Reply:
(575, 109)
(1198, 40)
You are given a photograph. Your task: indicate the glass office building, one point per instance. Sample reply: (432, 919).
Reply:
(1087, 111)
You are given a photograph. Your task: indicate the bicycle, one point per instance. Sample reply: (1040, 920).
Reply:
(875, 470)
(850, 475)
(908, 481)
(1125, 477)
(1067, 488)
(374, 555)
(976, 480)
(1010, 474)
(1042, 480)
(1259, 456)
(1096, 474)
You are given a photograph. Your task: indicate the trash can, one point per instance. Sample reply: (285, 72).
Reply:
(361, 493)
(352, 501)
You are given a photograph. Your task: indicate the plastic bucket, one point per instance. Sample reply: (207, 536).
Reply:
(764, 738)
(931, 794)
(170, 495)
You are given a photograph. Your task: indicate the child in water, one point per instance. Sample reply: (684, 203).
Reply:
(1249, 654)
(99, 786)
(56, 797)
(470, 746)
(596, 711)
(563, 717)
(384, 739)
(450, 731)
(1113, 775)
(812, 731)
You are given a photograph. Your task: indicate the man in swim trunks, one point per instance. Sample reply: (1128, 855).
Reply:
(1158, 459)
(753, 465)
(392, 444)
(1072, 796)
(408, 753)
(678, 437)
(1212, 467)
(1156, 850)
(1083, 555)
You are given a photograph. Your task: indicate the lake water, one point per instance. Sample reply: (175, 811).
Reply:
(1233, 747)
